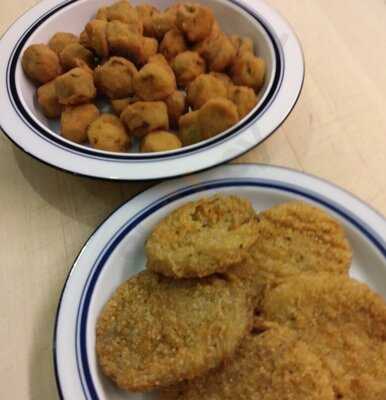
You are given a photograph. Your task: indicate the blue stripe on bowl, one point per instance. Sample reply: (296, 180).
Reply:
(56, 140)
(82, 314)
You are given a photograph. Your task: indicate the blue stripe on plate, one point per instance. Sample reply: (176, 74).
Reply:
(82, 314)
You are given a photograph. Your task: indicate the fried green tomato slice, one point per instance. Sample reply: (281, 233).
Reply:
(203, 237)
(274, 365)
(343, 322)
(157, 331)
(296, 237)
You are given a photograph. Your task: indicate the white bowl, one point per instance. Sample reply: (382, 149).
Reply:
(22, 120)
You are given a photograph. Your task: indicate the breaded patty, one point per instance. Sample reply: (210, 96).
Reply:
(343, 322)
(202, 237)
(296, 237)
(158, 331)
(271, 366)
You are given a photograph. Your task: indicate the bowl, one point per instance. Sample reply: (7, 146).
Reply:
(27, 127)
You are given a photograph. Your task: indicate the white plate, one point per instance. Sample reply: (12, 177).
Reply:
(24, 124)
(116, 251)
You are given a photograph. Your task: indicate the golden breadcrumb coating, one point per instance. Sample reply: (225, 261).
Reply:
(202, 237)
(297, 237)
(157, 331)
(274, 365)
(118, 105)
(343, 322)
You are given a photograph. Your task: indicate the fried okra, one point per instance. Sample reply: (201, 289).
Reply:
(248, 70)
(173, 44)
(48, 100)
(195, 20)
(187, 66)
(73, 53)
(177, 107)
(219, 52)
(75, 87)
(159, 59)
(124, 43)
(200, 46)
(60, 40)
(245, 99)
(124, 12)
(142, 118)
(204, 88)
(76, 120)
(96, 32)
(242, 44)
(224, 78)
(160, 141)
(40, 63)
(149, 49)
(146, 12)
(190, 128)
(216, 116)
(155, 81)
(108, 133)
(84, 40)
(164, 21)
(118, 105)
(115, 78)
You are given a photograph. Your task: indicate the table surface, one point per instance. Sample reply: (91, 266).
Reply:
(336, 131)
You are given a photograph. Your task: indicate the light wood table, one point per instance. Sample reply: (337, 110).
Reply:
(337, 131)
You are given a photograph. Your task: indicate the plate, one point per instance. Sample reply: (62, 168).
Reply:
(116, 251)
(23, 122)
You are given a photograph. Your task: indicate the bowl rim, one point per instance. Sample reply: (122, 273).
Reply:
(289, 81)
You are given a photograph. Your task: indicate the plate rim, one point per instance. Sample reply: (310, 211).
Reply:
(237, 171)
(221, 153)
